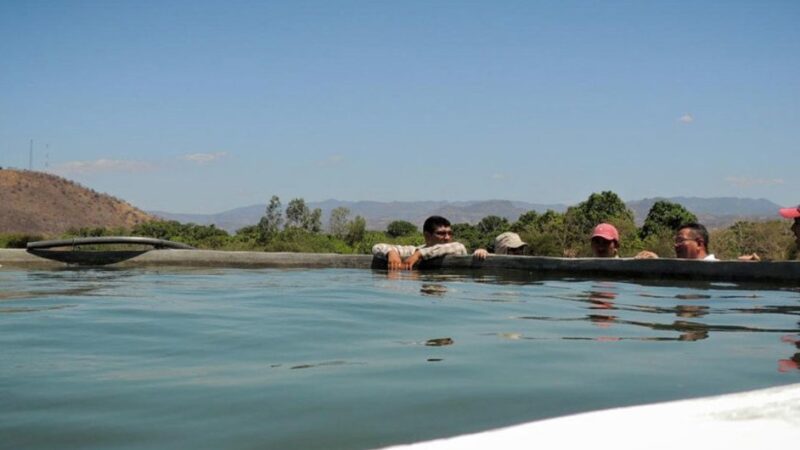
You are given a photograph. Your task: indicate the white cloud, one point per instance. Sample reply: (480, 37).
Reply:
(331, 161)
(686, 118)
(203, 158)
(102, 166)
(745, 182)
(500, 176)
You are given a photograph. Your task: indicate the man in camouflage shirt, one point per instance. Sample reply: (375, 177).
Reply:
(438, 242)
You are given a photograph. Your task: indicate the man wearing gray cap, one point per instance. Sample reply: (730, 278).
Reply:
(507, 243)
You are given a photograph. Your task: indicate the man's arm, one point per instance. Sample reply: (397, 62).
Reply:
(435, 251)
(411, 255)
(393, 254)
(382, 250)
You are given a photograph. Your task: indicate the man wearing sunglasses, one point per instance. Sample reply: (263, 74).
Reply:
(691, 242)
(438, 242)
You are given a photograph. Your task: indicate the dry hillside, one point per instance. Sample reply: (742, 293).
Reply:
(40, 203)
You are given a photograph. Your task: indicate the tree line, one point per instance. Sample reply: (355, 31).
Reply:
(297, 228)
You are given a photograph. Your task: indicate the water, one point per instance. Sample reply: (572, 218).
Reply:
(335, 358)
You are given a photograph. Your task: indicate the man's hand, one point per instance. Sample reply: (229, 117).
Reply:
(393, 261)
(750, 257)
(412, 260)
(480, 254)
(645, 254)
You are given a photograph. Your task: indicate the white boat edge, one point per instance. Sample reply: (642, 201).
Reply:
(760, 419)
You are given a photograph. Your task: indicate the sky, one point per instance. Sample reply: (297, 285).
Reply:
(203, 106)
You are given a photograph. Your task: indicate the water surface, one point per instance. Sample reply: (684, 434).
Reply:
(336, 358)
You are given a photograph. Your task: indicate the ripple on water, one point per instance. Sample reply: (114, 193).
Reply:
(290, 358)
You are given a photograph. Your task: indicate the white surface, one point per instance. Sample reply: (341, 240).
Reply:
(763, 419)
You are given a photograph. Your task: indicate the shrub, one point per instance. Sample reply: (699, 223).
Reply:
(771, 240)
(18, 240)
(400, 228)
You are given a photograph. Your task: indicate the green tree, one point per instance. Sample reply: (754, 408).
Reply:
(488, 228)
(296, 213)
(770, 240)
(159, 229)
(399, 228)
(270, 224)
(337, 224)
(525, 220)
(312, 222)
(468, 235)
(596, 209)
(603, 207)
(355, 231)
(297, 239)
(204, 236)
(492, 225)
(369, 238)
(546, 235)
(18, 240)
(665, 216)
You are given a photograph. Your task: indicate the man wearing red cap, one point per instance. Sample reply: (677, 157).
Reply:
(605, 241)
(793, 213)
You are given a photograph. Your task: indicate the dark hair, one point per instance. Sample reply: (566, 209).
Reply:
(697, 229)
(434, 222)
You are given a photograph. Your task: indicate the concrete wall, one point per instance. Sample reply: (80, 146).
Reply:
(785, 272)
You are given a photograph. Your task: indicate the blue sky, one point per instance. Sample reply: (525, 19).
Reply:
(202, 106)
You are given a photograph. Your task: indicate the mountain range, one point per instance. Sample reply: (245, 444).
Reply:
(713, 212)
(41, 203)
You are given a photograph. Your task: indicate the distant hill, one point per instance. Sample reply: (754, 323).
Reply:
(41, 203)
(377, 214)
(714, 212)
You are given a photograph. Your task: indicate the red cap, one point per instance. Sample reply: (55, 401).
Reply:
(790, 213)
(606, 231)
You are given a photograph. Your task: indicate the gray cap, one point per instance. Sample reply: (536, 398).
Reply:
(505, 241)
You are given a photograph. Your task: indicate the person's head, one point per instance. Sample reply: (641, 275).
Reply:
(691, 241)
(436, 230)
(605, 241)
(793, 213)
(796, 230)
(509, 243)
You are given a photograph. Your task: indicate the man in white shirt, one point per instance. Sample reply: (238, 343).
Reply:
(438, 242)
(691, 242)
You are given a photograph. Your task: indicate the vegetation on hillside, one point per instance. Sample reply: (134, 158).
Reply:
(299, 229)
(41, 203)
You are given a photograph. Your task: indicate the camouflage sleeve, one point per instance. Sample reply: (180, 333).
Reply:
(382, 250)
(451, 248)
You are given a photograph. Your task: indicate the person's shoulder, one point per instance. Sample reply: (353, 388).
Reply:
(448, 248)
(460, 246)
